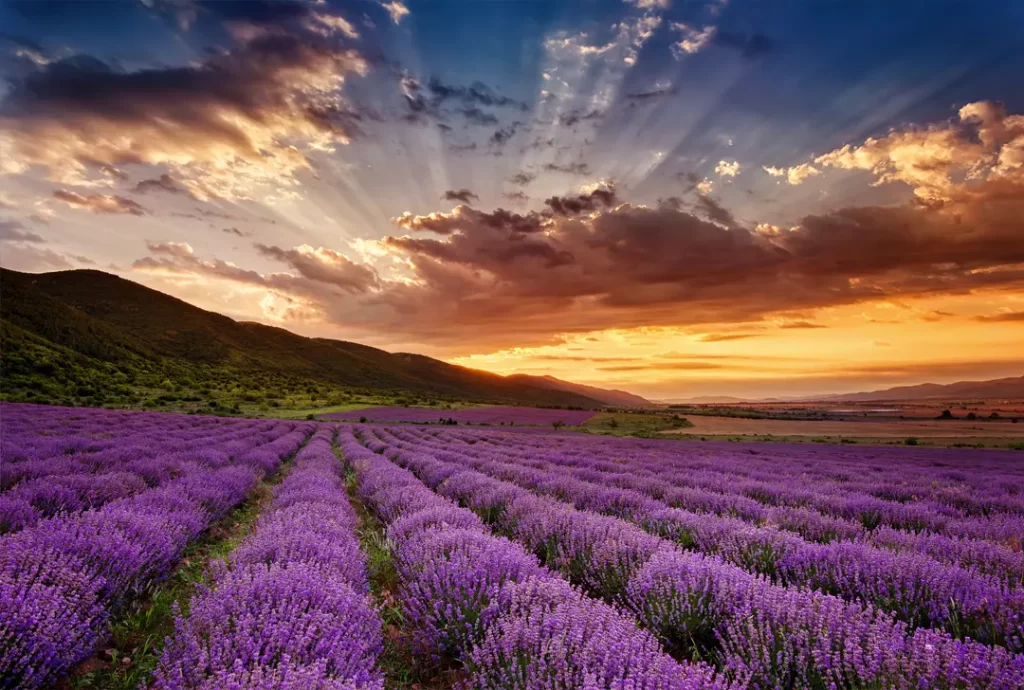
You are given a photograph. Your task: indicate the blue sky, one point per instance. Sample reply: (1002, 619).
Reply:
(304, 163)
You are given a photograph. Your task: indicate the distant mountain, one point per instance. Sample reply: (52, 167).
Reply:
(614, 397)
(1012, 387)
(705, 400)
(89, 336)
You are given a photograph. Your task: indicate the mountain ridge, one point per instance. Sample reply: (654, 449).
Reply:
(105, 327)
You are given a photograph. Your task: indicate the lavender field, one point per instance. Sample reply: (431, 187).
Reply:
(478, 558)
(494, 415)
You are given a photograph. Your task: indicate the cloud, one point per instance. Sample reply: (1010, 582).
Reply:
(725, 337)
(522, 179)
(235, 231)
(100, 203)
(981, 155)
(652, 94)
(802, 325)
(692, 39)
(430, 100)
(324, 266)
(574, 117)
(26, 257)
(1002, 317)
(239, 119)
(473, 278)
(518, 197)
(715, 211)
(568, 168)
(603, 196)
(795, 175)
(705, 186)
(728, 168)
(396, 10)
(14, 231)
(463, 195)
(164, 183)
(503, 135)
(667, 366)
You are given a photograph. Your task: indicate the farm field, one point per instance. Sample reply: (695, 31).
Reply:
(149, 550)
(852, 428)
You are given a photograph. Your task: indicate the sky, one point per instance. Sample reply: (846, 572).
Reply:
(673, 197)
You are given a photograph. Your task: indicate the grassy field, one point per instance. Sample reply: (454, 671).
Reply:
(633, 424)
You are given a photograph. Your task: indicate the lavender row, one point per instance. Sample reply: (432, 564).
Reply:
(984, 557)
(61, 579)
(69, 485)
(965, 480)
(760, 634)
(228, 437)
(481, 600)
(916, 588)
(38, 432)
(497, 414)
(916, 507)
(292, 609)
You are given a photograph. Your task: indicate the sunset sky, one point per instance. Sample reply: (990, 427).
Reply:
(677, 198)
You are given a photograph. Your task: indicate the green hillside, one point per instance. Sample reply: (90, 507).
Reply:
(88, 337)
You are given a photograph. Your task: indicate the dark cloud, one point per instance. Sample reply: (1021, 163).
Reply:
(574, 205)
(476, 93)
(235, 231)
(569, 168)
(477, 116)
(690, 181)
(240, 117)
(463, 195)
(503, 135)
(100, 203)
(522, 179)
(164, 183)
(715, 211)
(518, 197)
(750, 46)
(438, 100)
(802, 324)
(576, 116)
(653, 94)
(324, 266)
(725, 337)
(1002, 317)
(14, 231)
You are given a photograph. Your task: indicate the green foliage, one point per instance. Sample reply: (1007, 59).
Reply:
(638, 424)
(91, 339)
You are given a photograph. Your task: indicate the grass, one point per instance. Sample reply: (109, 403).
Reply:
(403, 667)
(137, 634)
(637, 424)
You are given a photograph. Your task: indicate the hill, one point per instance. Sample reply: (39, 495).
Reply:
(89, 337)
(1012, 387)
(613, 396)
